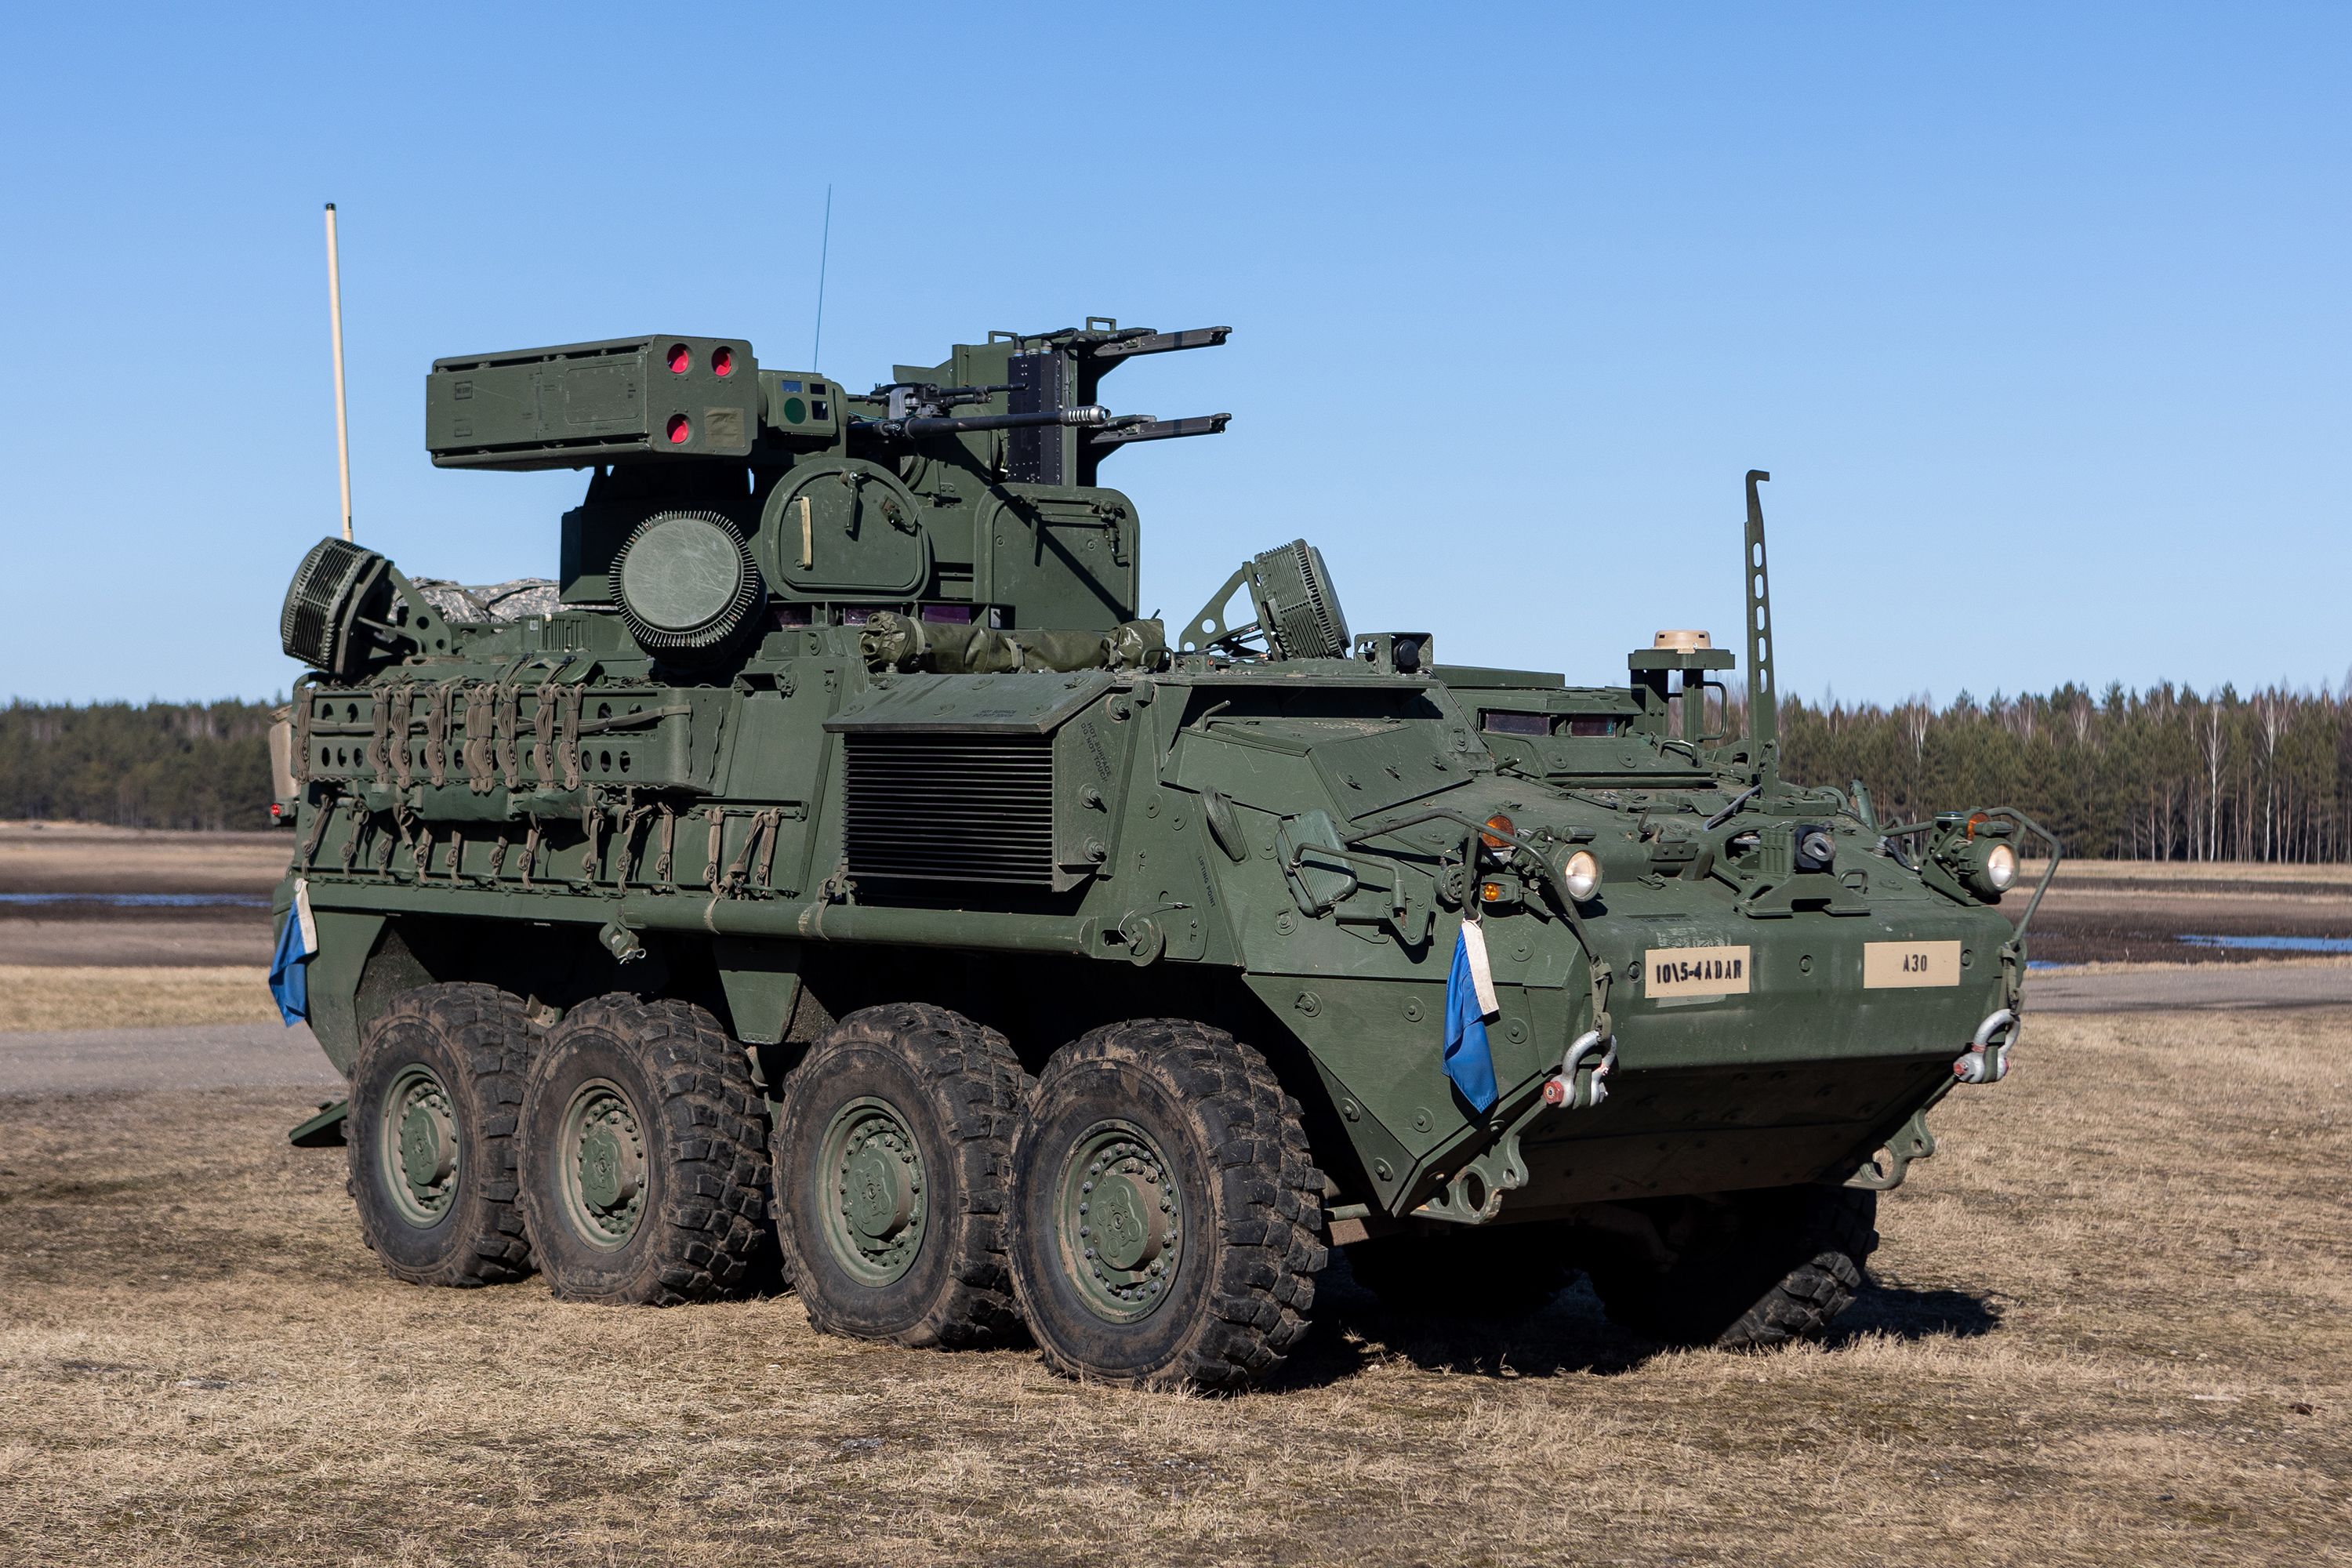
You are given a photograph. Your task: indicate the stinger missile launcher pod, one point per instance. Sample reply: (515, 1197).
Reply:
(831, 857)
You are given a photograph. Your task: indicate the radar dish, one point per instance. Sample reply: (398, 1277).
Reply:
(686, 584)
(1297, 608)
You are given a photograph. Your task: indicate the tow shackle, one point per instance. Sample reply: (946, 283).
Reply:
(1561, 1088)
(1987, 1058)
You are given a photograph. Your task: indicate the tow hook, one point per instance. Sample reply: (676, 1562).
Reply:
(1561, 1090)
(1987, 1058)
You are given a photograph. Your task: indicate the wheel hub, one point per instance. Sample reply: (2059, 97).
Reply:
(873, 1221)
(604, 1166)
(419, 1140)
(1121, 1221)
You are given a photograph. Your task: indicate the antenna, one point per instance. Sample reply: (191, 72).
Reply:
(335, 320)
(1763, 692)
(825, 248)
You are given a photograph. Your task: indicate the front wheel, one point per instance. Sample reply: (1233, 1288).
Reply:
(1167, 1219)
(1755, 1270)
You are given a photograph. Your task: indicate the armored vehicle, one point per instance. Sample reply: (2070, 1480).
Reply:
(832, 859)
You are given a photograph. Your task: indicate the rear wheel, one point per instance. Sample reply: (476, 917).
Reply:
(645, 1171)
(1480, 1271)
(1761, 1270)
(893, 1154)
(1167, 1221)
(436, 1088)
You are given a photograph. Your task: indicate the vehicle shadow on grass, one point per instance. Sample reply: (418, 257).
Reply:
(1572, 1333)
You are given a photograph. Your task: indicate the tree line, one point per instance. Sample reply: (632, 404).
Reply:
(155, 764)
(2160, 774)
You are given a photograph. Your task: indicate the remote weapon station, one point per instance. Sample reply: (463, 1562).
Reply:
(832, 858)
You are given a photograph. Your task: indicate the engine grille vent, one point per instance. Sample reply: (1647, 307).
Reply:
(950, 807)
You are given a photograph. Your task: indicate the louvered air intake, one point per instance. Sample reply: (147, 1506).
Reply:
(950, 808)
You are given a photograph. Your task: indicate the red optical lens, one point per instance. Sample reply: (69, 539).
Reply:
(680, 361)
(722, 361)
(679, 430)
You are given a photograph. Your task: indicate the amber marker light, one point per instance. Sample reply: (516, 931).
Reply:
(1498, 831)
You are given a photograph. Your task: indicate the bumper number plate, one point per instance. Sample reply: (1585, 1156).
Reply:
(1894, 964)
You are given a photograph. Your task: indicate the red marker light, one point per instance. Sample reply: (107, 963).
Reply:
(722, 361)
(679, 430)
(680, 359)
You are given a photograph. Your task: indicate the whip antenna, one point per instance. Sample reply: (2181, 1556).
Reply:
(335, 321)
(825, 248)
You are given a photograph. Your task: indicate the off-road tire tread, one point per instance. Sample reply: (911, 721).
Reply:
(1839, 1231)
(1748, 1293)
(977, 1075)
(493, 1030)
(715, 1204)
(1271, 1195)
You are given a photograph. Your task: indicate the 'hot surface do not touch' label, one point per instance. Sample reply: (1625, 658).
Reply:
(1694, 971)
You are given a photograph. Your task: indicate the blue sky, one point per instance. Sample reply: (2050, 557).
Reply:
(2037, 314)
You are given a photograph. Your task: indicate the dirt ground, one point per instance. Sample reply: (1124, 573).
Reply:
(2112, 1324)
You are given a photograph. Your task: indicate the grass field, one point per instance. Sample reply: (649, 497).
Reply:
(73, 996)
(2112, 1326)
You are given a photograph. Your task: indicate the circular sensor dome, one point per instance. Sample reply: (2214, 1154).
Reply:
(686, 583)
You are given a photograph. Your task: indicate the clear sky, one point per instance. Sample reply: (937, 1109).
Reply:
(2037, 314)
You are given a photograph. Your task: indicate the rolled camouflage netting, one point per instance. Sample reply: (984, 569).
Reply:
(513, 601)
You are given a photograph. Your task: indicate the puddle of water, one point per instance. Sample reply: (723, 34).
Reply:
(2274, 944)
(2032, 963)
(144, 900)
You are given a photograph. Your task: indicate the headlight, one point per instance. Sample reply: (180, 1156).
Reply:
(2000, 868)
(1580, 874)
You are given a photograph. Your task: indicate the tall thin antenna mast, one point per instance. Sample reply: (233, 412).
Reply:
(824, 250)
(335, 320)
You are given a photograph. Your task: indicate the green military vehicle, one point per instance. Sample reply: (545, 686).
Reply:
(832, 858)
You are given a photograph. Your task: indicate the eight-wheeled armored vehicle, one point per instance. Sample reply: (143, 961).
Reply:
(831, 857)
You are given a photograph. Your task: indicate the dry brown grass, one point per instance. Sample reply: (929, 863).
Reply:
(2113, 1327)
(85, 857)
(35, 996)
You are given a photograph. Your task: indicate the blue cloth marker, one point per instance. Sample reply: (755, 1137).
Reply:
(1469, 1002)
(290, 966)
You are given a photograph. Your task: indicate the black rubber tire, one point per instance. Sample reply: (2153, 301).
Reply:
(1249, 1203)
(477, 1041)
(1765, 1269)
(959, 1089)
(1488, 1271)
(701, 1229)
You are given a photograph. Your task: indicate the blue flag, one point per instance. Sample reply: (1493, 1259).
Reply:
(290, 966)
(1469, 1002)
